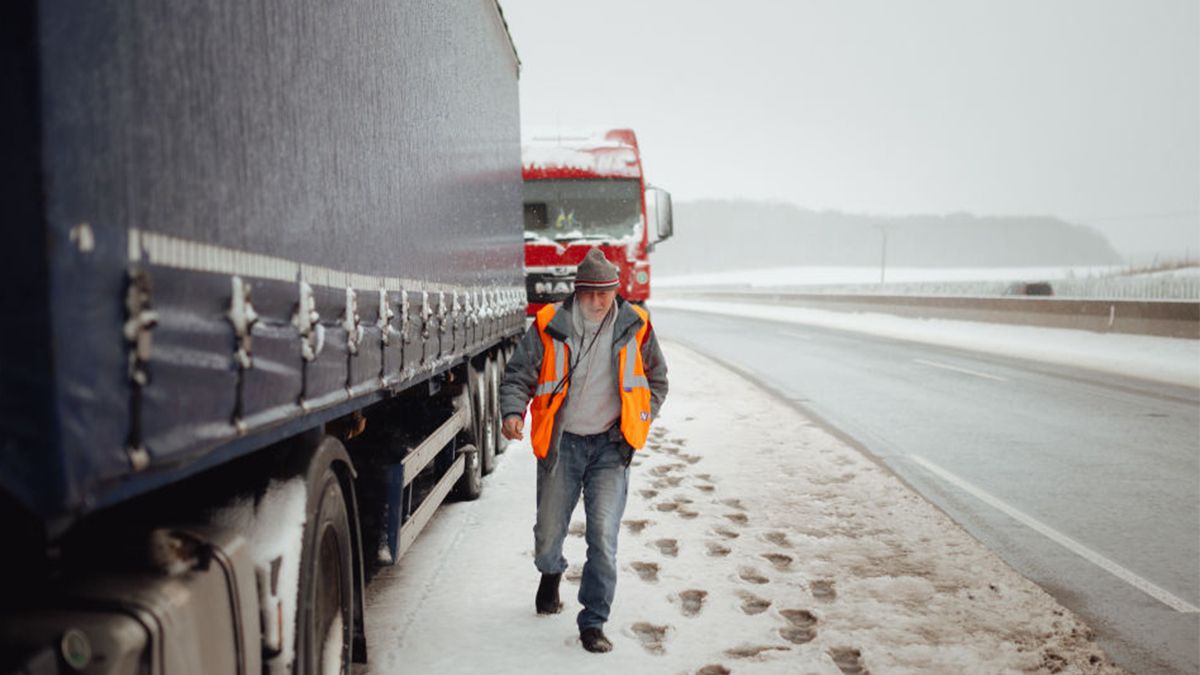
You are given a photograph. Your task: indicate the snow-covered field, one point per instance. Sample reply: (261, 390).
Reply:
(1161, 359)
(753, 542)
(1074, 282)
(811, 275)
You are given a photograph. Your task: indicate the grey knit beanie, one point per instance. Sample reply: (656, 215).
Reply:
(595, 273)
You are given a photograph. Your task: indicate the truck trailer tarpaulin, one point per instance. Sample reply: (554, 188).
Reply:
(189, 144)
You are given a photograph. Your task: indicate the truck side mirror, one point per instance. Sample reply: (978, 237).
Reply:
(661, 212)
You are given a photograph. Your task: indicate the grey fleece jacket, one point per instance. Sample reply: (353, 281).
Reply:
(521, 373)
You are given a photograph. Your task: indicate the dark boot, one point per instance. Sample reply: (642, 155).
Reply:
(547, 595)
(594, 641)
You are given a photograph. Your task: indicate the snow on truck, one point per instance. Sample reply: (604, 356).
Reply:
(262, 266)
(585, 191)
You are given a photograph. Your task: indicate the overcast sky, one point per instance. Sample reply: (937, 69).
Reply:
(1084, 109)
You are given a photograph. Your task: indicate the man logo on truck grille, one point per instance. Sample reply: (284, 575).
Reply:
(553, 287)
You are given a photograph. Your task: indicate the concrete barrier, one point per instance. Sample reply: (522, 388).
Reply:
(1167, 318)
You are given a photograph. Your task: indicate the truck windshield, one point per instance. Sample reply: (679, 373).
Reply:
(582, 209)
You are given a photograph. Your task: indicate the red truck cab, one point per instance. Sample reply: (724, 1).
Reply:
(585, 191)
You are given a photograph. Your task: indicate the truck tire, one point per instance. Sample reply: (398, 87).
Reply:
(495, 372)
(325, 598)
(485, 425)
(470, 486)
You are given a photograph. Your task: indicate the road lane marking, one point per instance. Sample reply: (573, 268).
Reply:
(1149, 588)
(965, 371)
(798, 336)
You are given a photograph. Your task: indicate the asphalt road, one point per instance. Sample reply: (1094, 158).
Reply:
(1086, 483)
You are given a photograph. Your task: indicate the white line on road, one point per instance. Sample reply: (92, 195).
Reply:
(798, 336)
(965, 371)
(1149, 588)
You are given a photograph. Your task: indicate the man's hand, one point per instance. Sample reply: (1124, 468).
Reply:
(513, 426)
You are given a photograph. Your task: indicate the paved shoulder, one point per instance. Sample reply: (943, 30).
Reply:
(753, 542)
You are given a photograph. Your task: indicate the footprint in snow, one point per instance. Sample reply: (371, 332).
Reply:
(636, 526)
(716, 550)
(651, 636)
(753, 604)
(778, 538)
(802, 628)
(706, 477)
(690, 459)
(848, 660)
(752, 651)
(713, 669)
(646, 571)
(734, 504)
(692, 601)
(648, 494)
(780, 561)
(726, 532)
(668, 547)
(737, 518)
(751, 575)
(705, 488)
(666, 506)
(577, 529)
(665, 469)
(822, 589)
(667, 482)
(574, 574)
(832, 480)
(686, 514)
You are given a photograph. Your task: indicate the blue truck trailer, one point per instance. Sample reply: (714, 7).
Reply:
(262, 265)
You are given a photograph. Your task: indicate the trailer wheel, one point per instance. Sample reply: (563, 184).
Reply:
(325, 602)
(485, 426)
(495, 372)
(470, 485)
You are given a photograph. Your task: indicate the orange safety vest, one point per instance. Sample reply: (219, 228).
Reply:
(551, 388)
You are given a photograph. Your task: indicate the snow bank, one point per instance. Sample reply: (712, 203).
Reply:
(753, 542)
(1161, 359)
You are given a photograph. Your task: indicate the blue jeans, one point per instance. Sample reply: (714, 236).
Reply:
(595, 466)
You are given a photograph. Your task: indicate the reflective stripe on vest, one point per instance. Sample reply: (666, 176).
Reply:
(633, 387)
(628, 379)
(559, 349)
(551, 388)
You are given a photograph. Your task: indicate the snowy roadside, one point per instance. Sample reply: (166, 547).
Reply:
(1161, 359)
(753, 542)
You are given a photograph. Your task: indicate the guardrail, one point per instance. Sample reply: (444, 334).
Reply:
(1167, 318)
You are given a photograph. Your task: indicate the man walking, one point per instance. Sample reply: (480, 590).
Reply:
(593, 376)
